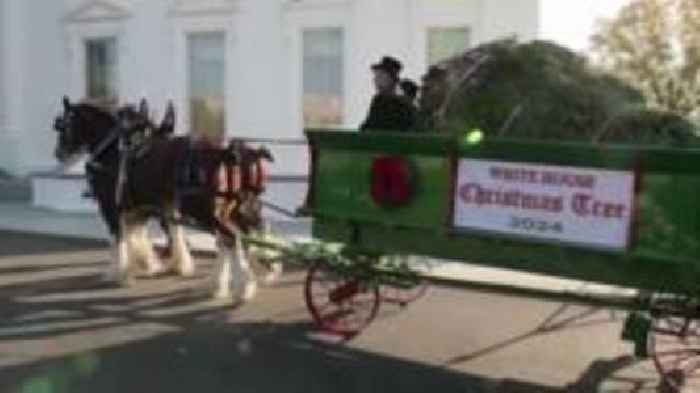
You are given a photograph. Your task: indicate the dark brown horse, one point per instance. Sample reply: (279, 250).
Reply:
(135, 181)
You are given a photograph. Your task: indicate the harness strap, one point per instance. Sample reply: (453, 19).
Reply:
(122, 175)
(114, 134)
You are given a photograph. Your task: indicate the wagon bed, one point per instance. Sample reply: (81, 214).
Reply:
(661, 253)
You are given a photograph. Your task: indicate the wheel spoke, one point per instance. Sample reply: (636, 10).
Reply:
(351, 312)
(676, 348)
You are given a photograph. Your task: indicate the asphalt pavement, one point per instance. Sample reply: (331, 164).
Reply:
(62, 331)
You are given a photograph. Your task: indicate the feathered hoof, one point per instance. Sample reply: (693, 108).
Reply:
(185, 269)
(248, 291)
(221, 294)
(155, 269)
(185, 273)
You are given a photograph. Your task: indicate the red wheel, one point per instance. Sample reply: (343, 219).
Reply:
(403, 296)
(340, 305)
(675, 348)
(404, 290)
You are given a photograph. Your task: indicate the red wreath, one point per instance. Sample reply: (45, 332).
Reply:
(392, 181)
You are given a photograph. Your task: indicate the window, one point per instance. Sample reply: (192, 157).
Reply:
(206, 70)
(101, 69)
(444, 42)
(323, 77)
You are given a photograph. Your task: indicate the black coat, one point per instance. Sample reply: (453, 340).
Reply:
(389, 113)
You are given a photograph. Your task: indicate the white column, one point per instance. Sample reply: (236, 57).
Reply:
(3, 99)
(12, 76)
(258, 89)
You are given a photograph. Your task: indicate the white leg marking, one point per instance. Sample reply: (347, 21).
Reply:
(182, 259)
(222, 271)
(119, 270)
(244, 283)
(144, 247)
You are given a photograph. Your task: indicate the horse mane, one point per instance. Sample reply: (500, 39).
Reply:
(96, 111)
(106, 105)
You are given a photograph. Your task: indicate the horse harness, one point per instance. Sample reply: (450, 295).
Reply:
(236, 173)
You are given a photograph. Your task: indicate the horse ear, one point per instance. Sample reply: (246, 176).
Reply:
(167, 126)
(66, 103)
(143, 108)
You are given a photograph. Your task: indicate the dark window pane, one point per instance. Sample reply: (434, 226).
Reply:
(101, 69)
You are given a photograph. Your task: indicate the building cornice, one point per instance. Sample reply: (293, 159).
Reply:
(98, 11)
(306, 5)
(194, 8)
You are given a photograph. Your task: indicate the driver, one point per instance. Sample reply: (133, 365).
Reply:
(388, 111)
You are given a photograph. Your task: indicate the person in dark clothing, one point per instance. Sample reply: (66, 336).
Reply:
(388, 111)
(409, 90)
(432, 96)
(409, 94)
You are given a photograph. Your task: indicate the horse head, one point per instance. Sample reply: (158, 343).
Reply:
(139, 119)
(132, 120)
(78, 128)
(83, 126)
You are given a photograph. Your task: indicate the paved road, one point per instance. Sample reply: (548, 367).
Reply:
(61, 332)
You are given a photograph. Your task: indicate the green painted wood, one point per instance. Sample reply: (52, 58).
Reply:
(343, 190)
(664, 256)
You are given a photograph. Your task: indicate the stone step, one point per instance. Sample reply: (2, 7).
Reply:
(14, 190)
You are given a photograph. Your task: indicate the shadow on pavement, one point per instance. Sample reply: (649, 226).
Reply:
(245, 357)
(20, 243)
(200, 349)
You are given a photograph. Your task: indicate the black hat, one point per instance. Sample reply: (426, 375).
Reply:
(409, 87)
(390, 65)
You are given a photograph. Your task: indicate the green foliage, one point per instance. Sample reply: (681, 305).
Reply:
(541, 90)
(655, 46)
(345, 261)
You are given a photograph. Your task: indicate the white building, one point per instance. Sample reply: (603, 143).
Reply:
(256, 68)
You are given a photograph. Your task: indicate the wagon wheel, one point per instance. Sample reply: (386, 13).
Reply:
(403, 293)
(675, 347)
(403, 296)
(338, 304)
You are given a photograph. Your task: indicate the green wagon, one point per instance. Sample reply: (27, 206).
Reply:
(617, 215)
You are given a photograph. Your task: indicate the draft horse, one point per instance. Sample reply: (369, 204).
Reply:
(135, 183)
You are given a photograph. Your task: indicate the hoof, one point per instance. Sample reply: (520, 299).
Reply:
(185, 269)
(221, 294)
(250, 289)
(186, 273)
(156, 269)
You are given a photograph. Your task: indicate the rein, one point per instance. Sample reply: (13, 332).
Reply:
(113, 136)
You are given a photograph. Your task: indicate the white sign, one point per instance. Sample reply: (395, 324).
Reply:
(588, 207)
